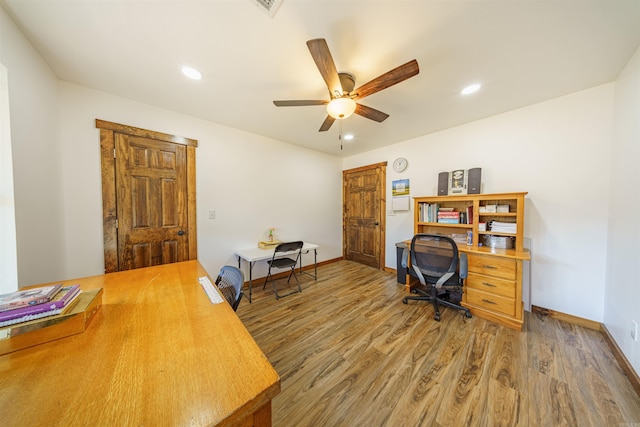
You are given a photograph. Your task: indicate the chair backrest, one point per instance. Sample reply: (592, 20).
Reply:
(230, 281)
(288, 247)
(434, 259)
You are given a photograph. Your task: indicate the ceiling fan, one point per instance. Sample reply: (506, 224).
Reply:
(341, 87)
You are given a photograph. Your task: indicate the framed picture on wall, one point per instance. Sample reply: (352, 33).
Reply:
(400, 192)
(400, 187)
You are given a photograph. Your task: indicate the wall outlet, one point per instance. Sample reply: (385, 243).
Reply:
(634, 330)
(212, 214)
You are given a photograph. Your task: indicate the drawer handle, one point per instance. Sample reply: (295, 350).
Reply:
(490, 266)
(488, 301)
(489, 284)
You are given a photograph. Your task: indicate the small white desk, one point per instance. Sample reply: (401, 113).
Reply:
(252, 255)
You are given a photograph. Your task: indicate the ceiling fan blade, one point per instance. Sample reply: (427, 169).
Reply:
(324, 61)
(300, 103)
(326, 124)
(370, 113)
(388, 79)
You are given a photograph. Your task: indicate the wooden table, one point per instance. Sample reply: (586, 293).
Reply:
(158, 353)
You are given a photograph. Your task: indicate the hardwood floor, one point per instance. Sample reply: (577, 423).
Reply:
(350, 353)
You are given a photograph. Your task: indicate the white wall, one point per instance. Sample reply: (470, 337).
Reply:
(8, 252)
(622, 291)
(33, 100)
(251, 182)
(559, 152)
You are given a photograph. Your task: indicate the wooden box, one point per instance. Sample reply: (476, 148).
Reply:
(27, 334)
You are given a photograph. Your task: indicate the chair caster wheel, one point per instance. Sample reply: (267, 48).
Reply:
(437, 317)
(467, 315)
(404, 301)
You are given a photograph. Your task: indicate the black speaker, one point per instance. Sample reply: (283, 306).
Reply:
(443, 183)
(474, 180)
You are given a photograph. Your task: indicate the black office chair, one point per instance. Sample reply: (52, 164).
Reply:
(230, 281)
(441, 271)
(286, 255)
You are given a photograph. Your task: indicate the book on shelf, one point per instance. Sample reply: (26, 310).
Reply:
(61, 299)
(448, 220)
(69, 304)
(428, 212)
(448, 214)
(28, 297)
(469, 214)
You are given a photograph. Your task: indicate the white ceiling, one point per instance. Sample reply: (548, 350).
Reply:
(521, 51)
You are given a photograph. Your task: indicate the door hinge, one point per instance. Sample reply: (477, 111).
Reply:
(114, 153)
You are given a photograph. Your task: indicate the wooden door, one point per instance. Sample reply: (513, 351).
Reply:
(364, 219)
(148, 181)
(151, 202)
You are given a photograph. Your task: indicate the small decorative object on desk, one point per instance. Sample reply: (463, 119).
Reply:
(269, 240)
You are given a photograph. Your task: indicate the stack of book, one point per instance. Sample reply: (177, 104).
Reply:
(448, 216)
(30, 304)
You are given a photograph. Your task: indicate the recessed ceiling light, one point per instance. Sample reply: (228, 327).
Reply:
(192, 73)
(348, 136)
(470, 89)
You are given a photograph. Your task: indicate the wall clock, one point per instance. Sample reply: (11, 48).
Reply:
(400, 164)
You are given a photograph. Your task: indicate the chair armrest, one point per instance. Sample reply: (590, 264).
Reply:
(463, 266)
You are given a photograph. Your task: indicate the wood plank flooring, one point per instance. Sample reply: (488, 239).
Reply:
(350, 353)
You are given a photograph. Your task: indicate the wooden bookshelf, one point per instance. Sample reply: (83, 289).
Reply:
(493, 290)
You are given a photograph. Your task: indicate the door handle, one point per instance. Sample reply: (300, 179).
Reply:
(376, 223)
(180, 233)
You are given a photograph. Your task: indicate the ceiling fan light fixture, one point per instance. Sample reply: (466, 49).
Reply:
(341, 108)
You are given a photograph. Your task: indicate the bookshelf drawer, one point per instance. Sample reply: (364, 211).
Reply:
(491, 302)
(493, 285)
(492, 266)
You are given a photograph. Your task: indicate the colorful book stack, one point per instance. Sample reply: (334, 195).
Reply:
(35, 303)
(448, 216)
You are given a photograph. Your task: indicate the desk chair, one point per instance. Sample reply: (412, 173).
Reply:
(286, 255)
(230, 281)
(441, 271)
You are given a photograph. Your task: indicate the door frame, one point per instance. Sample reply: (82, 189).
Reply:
(109, 204)
(382, 209)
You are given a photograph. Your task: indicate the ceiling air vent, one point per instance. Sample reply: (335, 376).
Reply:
(269, 6)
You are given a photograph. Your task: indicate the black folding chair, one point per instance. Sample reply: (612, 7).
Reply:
(285, 255)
